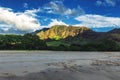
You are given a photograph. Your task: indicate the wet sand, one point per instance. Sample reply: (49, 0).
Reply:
(53, 65)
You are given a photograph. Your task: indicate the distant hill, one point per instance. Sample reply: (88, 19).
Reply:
(114, 35)
(115, 31)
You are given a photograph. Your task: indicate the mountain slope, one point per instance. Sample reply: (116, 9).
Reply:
(114, 35)
(61, 32)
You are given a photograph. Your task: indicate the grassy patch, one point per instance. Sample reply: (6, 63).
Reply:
(57, 43)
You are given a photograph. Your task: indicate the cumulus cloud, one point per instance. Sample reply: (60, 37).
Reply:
(98, 21)
(106, 3)
(56, 22)
(24, 21)
(53, 23)
(57, 7)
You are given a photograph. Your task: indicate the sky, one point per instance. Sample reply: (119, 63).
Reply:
(24, 16)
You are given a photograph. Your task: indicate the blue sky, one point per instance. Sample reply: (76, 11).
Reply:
(22, 16)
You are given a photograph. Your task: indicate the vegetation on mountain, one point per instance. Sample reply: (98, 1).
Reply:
(19, 42)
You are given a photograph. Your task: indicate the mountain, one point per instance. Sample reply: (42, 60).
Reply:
(114, 35)
(115, 31)
(72, 33)
(61, 32)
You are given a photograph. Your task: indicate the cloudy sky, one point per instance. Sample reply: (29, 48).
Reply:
(22, 16)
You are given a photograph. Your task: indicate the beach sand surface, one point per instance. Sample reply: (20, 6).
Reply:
(55, 65)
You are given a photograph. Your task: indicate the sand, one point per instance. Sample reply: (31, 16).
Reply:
(53, 65)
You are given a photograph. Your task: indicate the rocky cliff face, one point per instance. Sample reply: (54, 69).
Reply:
(60, 32)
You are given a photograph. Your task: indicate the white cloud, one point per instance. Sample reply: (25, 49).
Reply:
(57, 7)
(106, 3)
(4, 27)
(25, 5)
(111, 2)
(24, 21)
(32, 12)
(56, 22)
(99, 3)
(93, 21)
(53, 23)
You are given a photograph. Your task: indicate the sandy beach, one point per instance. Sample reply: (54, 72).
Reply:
(54, 65)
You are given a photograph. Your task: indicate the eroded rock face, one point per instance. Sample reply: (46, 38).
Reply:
(61, 32)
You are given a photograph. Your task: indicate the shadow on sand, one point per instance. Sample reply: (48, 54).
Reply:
(69, 73)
